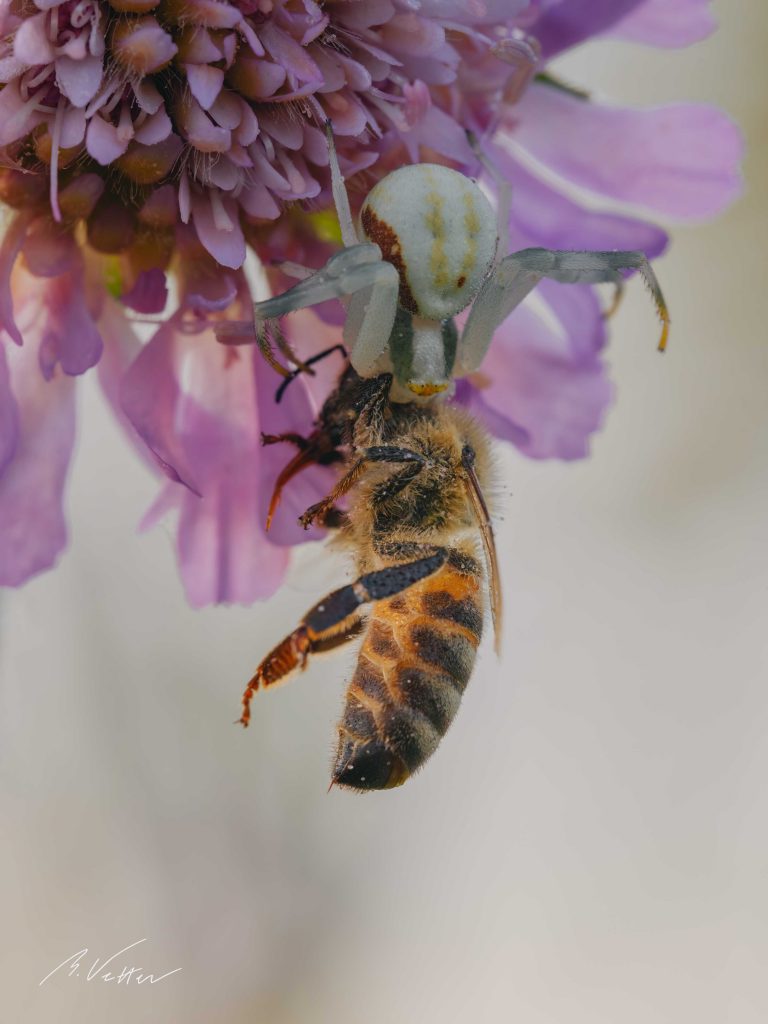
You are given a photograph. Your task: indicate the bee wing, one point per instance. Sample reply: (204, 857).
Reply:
(489, 546)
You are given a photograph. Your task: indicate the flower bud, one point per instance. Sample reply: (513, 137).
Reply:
(151, 248)
(255, 78)
(111, 227)
(20, 189)
(161, 209)
(43, 144)
(147, 165)
(79, 197)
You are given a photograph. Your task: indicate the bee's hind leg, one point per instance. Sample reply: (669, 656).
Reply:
(334, 620)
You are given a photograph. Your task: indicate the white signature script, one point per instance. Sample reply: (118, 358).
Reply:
(99, 972)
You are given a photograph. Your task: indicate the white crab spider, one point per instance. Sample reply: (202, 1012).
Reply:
(428, 246)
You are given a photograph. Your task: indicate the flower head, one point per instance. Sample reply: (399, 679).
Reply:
(147, 145)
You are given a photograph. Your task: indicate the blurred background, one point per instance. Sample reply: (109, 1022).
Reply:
(590, 844)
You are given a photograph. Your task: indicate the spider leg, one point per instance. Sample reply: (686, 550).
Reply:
(306, 368)
(264, 336)
(358, 271)
(520, 272)
(340, 197)
(503, 194)
(295, 270)
(345, 272)
(370, 319)
(618, 295)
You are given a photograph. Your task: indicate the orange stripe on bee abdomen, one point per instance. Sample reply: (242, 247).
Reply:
(415, 661)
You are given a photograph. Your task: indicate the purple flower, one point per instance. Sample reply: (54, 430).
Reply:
(149, 144)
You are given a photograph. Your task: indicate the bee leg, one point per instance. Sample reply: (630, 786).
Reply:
(302, 443)
(334, 620)
(376, 453)
(312, 450)
(293, 652)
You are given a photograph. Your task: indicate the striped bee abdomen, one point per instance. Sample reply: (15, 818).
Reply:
(415, 661)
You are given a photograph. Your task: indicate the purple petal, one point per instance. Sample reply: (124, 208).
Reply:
(570, 22)
(9, 418)
(208, 293)
(79, 80)
(542, 216)
(682, 159)
(472, 12)
(31, 44)
(69, 336)
(156, 128)
(212, 423)
(48, 249)
(151, 397)
(661, 23)
(103, 141)
(10, 247)
(223, 557)
(121, 347)
(72, 127)
(32, 527)
(200, 131)
(286, 51)
(17, 116)
(205, 83)
(546, 402)
(218, 228)
(149, 293)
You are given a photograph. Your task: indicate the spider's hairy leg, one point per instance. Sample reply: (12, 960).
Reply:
(370, 319)
(503, 194)
(520, 272)
(594, 268)
(340, 197)
(345, 273)
(618, 295)
(502, 291)
(295, 270)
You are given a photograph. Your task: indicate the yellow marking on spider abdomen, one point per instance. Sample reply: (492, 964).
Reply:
(435, 223)
(472, 228)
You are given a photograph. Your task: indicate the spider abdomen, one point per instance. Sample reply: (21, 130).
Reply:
(438, 230)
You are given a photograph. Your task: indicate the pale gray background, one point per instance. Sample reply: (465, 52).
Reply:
(591, 843)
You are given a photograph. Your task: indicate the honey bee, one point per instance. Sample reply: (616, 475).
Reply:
(416, 523)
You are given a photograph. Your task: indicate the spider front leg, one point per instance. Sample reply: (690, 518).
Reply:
(520, 272)
(357, 273)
